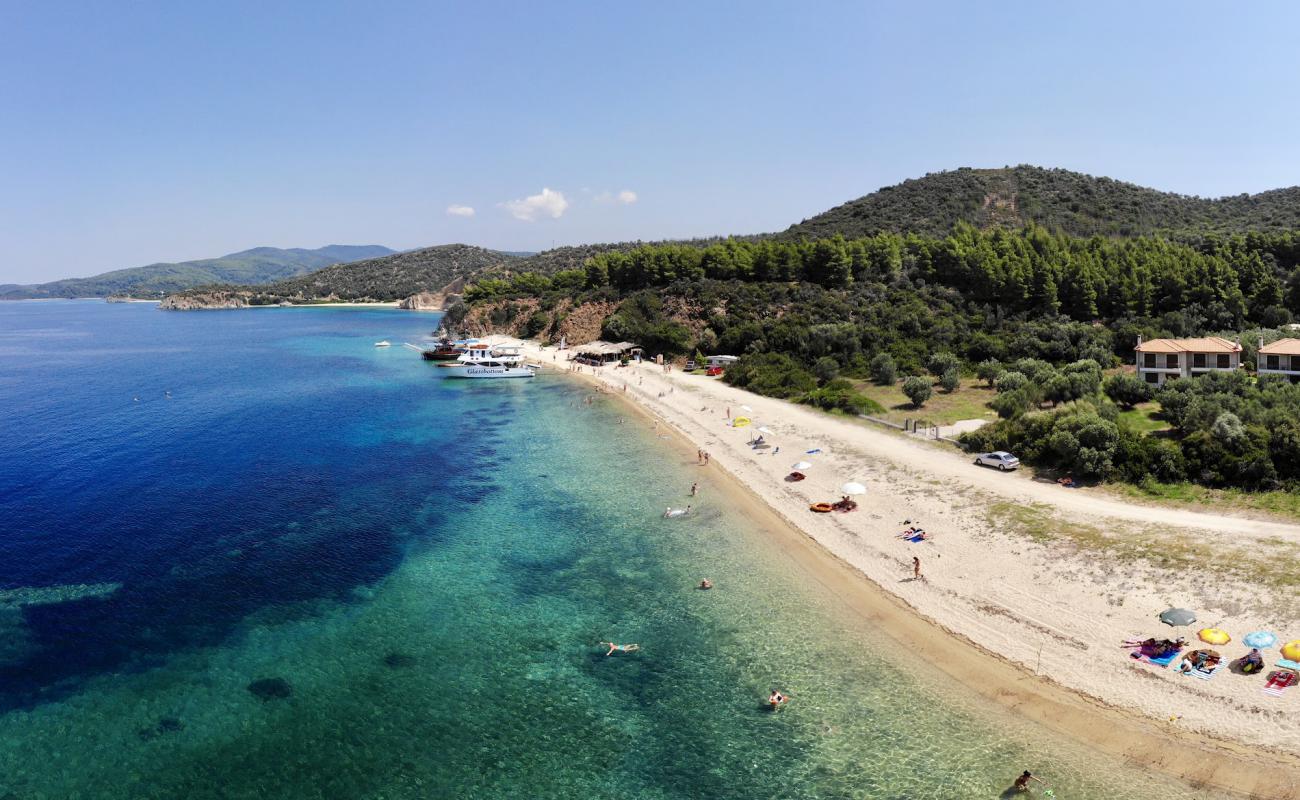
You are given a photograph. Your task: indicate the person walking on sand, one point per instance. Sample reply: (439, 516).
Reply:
(916, 568)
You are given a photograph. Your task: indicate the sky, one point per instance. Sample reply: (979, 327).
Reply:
(133, 133)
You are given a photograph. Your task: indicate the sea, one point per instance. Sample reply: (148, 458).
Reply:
(247, 554)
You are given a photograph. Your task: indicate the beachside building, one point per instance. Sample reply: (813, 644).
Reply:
(1160, 360)
(601, 352)
(721, 361)
(1279, 358)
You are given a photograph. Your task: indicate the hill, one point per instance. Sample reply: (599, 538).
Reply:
(256, 266)
(1060, 200)
(391, 277)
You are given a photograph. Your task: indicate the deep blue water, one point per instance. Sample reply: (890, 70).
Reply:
(246, 554)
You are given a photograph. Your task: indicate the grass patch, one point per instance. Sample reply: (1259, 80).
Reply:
(1144, 418)
(1277, 503)
(968, 402)
(1268, 564)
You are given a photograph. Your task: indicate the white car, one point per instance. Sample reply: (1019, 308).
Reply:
(1000, 459)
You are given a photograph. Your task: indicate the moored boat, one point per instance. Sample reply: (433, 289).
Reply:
(489, 361)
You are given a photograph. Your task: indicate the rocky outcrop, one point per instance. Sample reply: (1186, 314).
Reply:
(582, 324)
(435, 301)
(195, 301)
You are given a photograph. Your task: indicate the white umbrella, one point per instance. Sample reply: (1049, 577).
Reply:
(853, 488)
(747, 408)
(802, 465)
(765, 429)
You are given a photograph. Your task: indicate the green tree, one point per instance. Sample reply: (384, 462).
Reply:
(917, 389)
(989, 371)
(950, 380)
(939, 363)
(1127, 390)
(883, 369)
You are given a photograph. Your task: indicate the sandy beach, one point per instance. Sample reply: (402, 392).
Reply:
(1029, 588)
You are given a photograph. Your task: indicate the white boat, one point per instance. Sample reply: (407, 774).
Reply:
(489, 361)
(384, 343)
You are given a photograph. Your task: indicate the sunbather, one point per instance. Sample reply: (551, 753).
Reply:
(1203, 660)
(1252, 661)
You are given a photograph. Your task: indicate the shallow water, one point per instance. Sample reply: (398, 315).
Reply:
(414, 575)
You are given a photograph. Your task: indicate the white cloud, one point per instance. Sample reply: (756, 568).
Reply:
(547, 204)
(625, 197)
(454, 210)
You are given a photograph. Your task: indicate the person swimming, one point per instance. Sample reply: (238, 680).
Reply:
(706, 584)
(775, 700)
(621, 648)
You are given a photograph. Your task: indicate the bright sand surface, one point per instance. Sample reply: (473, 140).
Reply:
(1051, 580)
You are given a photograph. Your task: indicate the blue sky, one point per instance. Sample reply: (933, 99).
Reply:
(140, 132)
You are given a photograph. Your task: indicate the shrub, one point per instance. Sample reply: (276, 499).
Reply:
(917, 390)
(1127, 390)
(989, 371)
(950, 380)
(772, 374)
(1011, 381)
(826, 369)
(883, 369)
(941, 362)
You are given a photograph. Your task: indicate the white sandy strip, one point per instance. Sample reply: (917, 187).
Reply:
(1056, 608)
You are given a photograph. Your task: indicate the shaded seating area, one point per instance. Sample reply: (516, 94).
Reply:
(600, 352)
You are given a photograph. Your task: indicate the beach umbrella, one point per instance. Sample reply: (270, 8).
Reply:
(1214, 636)
(802, 465)
(740, 422)
(1291, 650)
(747, 408)
(853, 488)
(1260, 639)
(1177, 616)
(765, 429)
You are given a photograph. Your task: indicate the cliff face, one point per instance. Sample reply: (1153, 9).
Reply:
(434, 301)
(526, 319)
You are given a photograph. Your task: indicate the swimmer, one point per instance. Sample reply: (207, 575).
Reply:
(706, 584)
(775, 700)
(1022, 783)
(695, 489)
(621, 648)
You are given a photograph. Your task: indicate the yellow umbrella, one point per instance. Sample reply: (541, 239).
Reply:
(740, 422)
(1291, 650)
(1214, 636)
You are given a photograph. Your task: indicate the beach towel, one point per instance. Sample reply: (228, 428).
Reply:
(1159, 661)
(916, 538)
(1203, 675)
(812, 452)
(1286, 663)
(1279, 683)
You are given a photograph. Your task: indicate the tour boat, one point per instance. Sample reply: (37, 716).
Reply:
(444, 350)
(489, 361)
(384, 343)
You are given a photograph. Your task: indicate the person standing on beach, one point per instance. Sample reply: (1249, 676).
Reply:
(695, 489)
(916, 568)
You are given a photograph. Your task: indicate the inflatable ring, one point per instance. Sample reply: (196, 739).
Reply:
(821, 508)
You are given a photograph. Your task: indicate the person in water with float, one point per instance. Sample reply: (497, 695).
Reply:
(776, 699)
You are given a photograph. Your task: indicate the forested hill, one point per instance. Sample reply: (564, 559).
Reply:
(256, 266)
(391, 277)
(1060, 200)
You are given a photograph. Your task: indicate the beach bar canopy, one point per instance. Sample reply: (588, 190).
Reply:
(603, 352)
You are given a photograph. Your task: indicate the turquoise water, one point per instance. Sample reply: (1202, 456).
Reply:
(414, 574)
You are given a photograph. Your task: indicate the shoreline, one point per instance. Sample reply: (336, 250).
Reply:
(1125, 732)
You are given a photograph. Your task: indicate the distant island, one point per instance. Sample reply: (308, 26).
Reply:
(251, 267)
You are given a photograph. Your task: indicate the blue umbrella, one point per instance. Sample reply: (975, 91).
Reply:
(1260, 639)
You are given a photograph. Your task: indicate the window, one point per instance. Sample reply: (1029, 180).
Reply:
(1272, 362)
(1171, 361)
(1198, 360)
(1153, 377)
(1149, 360)
(1225, 361)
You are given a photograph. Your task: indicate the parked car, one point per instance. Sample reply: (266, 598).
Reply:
(1000, 459)
(713, 372)
(690, 366)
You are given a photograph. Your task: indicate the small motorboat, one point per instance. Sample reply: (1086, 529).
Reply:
(384, 343)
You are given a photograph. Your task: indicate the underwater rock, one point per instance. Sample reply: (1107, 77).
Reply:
(165, 725)
(271, 689)
(397, 660)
